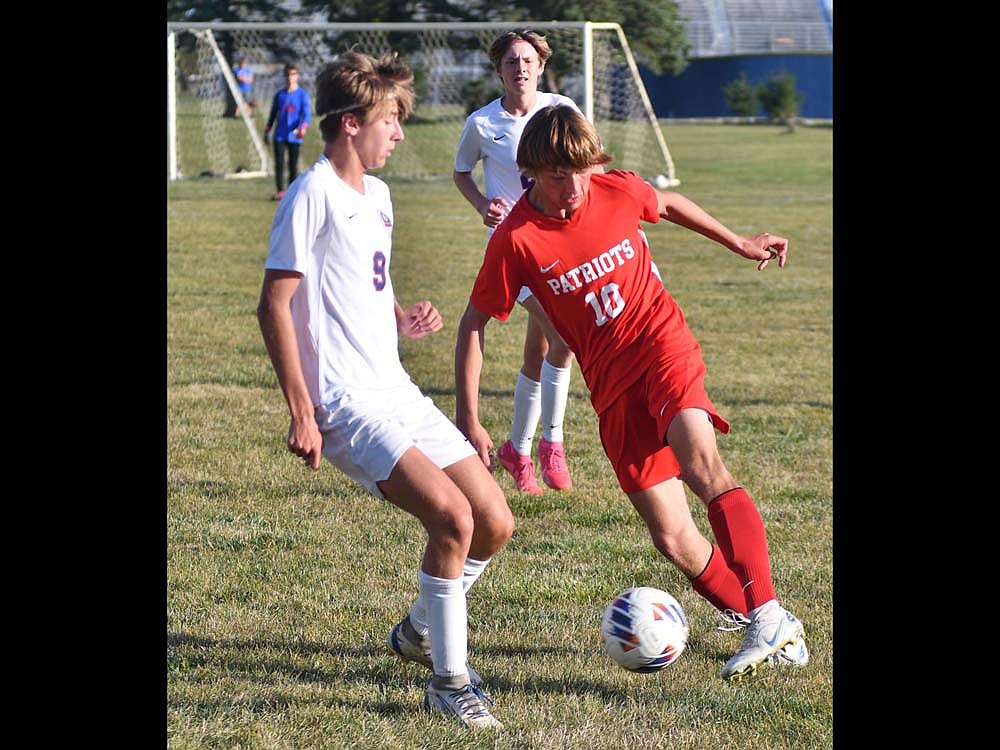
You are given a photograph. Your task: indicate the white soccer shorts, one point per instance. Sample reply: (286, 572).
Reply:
(364, 434)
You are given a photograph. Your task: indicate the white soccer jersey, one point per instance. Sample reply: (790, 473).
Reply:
(491, 133)
(344, 307)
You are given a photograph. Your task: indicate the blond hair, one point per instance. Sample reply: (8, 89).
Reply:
(362, 84)
(502, 43)
(559, 137)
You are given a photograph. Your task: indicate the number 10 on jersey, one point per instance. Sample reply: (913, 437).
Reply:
(612, 303)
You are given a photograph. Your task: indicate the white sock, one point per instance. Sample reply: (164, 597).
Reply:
(471, 571)
(448, 620)
(555, 393)
(527, 409)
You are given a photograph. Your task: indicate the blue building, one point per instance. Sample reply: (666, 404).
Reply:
(760, 38)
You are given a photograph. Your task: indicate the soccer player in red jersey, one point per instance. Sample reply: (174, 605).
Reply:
(574, 239)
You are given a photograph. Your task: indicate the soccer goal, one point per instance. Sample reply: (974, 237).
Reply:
(212, 131)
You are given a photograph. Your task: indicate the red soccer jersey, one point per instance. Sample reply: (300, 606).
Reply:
(591, 274)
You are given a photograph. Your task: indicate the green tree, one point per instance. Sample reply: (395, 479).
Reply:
(780, 99)
(478, 91)
(741, 96)
(363, 11)
(220, 10)
(654, 28)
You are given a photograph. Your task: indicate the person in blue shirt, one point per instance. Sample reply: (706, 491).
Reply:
(289, 117)
(244, 80)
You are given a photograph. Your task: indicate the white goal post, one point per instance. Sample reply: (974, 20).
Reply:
(212, 131)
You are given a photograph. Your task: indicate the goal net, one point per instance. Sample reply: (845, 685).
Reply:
(213, 131)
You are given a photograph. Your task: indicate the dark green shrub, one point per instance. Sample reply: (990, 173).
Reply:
(780, 99)
(741, 96)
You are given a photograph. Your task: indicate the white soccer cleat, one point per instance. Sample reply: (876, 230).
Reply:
(406, 643)
(770, 630)
(470, 705)
(794, 653)
(732, 620)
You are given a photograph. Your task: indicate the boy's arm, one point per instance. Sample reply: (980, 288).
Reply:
(418, 320)
(468, 367)
(273, 115)
(274, 315)
(305, 118)
(492, 211)
(763, 247)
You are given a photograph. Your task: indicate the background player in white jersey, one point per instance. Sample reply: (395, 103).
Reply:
(491, 134)
(330, 320)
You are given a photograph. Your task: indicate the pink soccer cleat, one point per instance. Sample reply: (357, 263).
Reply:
(520, 467)
(552, 457)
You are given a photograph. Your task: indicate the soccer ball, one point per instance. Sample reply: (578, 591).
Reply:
(644, 629)
(660, 182)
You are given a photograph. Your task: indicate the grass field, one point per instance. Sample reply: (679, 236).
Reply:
(282, 583)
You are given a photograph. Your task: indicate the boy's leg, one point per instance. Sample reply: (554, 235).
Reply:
(664, 508)
(555, 394)
(737, 524)
(515, 454)
(527, 410)
(293, 161)
(279, 165)
(493, 525)
(554, 373)
(422, 489)
(740, 532)
(528, 392)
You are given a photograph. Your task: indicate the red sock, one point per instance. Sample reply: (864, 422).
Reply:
(719, 584)
(739, 530)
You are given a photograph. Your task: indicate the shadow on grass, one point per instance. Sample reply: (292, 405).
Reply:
(584, 397)
(775, 402)
(254, 661)
(492, 393)
(207, 488)
(714, 649)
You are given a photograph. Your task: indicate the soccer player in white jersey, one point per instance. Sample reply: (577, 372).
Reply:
(330, 321)
(491, 134)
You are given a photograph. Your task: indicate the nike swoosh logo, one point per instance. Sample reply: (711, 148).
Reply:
(499, 137)
(548, 267)
(352, 216)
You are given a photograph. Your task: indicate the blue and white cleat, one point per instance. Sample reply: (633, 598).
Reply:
(470, 705)
(407, 644)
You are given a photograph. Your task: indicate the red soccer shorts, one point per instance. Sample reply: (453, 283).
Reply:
(633, 429)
